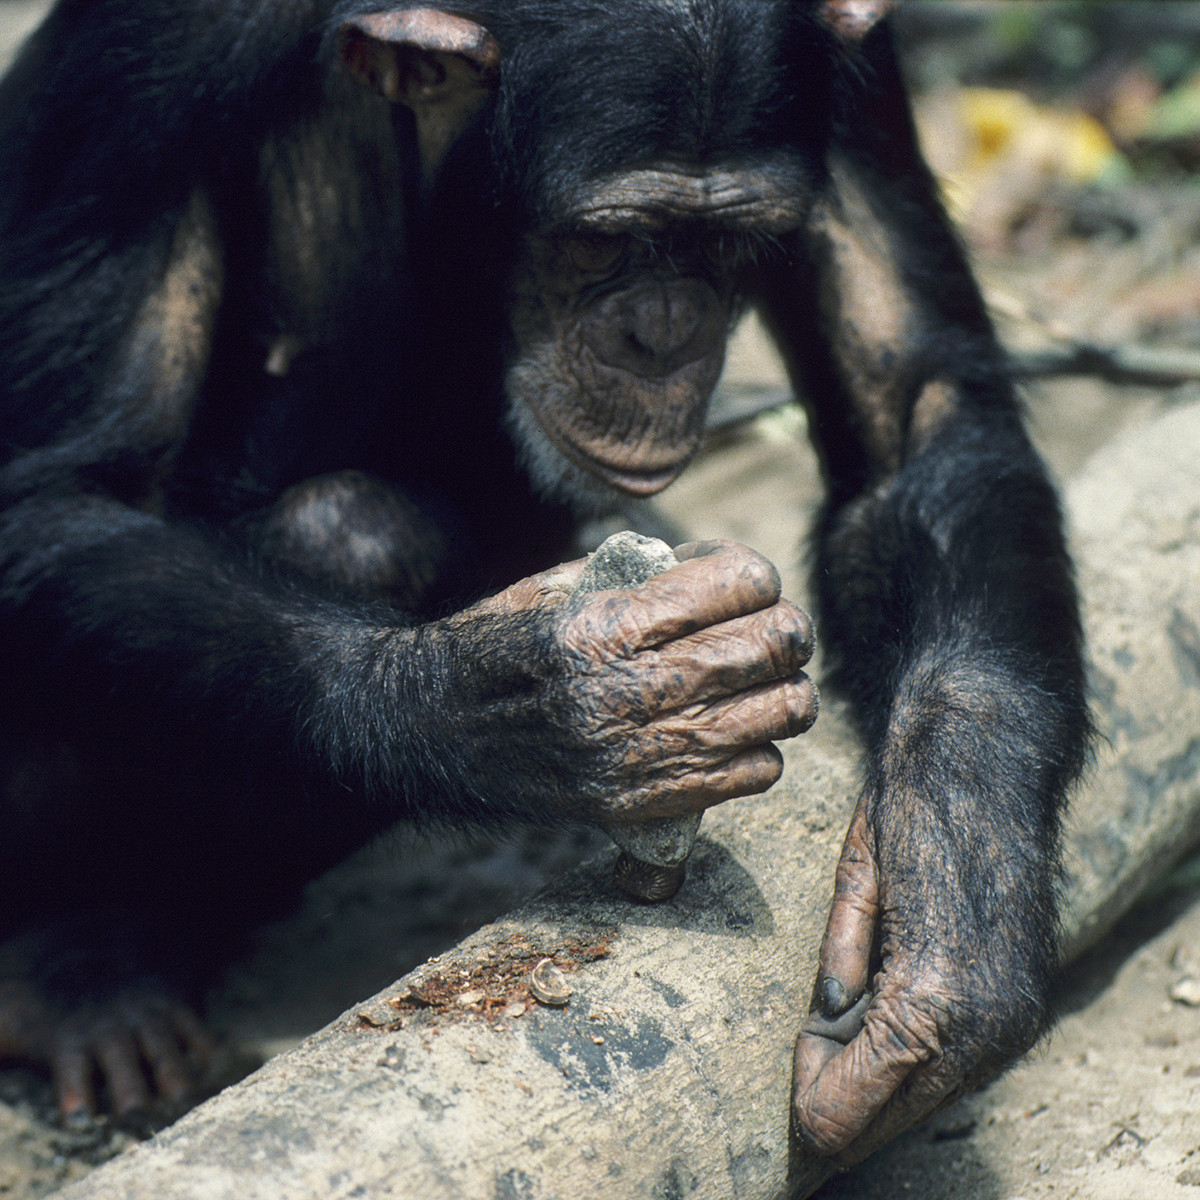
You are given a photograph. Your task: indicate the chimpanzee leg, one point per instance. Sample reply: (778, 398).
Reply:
(948, 612)
(352, 531)
(116, 906)
(102, 960)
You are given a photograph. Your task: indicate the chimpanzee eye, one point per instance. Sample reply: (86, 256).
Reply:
(596, 253)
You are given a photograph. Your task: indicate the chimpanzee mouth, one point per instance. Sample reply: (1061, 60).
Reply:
(633, 483)
(561, 469)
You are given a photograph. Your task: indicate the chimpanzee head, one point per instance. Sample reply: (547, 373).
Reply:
(652, 152)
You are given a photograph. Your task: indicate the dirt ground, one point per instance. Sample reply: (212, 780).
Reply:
(1108, 1107)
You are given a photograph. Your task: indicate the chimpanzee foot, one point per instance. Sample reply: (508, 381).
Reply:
(132, 1048)
(138, 1050)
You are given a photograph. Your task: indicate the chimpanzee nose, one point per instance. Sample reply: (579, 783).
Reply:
(655, 327)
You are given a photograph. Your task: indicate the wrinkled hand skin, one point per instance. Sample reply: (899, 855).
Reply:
(652, 701)
(943, 1001)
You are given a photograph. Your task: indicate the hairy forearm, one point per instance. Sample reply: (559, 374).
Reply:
(954, 568)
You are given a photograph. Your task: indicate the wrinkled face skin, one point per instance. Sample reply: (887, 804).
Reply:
(621, 313)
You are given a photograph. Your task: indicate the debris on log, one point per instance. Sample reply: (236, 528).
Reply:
(667, 1070)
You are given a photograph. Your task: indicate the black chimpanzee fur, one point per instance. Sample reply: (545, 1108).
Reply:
(225, 274)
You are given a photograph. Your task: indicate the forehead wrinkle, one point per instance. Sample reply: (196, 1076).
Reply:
(734, 195)
(631, 83)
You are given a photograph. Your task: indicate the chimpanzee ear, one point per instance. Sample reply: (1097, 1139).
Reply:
(852, 20)
(440, 65)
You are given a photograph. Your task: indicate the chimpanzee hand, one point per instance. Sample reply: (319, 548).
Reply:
(651, 701)
(956, 992)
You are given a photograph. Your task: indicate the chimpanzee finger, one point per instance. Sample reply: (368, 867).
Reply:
(173, 1080)
(744, 774)
(841, 1091)
(845, 957)
(71, 1068)
(721, 660)
(193, 1035)
(730, 581)
(770, 712)
(120, 1063)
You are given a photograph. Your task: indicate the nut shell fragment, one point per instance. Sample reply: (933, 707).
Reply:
(548, 984)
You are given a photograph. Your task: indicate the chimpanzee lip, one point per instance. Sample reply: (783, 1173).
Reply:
(626, 479)
(632, 481)
(635, 483)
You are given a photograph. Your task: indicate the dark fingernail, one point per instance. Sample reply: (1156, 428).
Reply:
(834, 997)
(843, 1028)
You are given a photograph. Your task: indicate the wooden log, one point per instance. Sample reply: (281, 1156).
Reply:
(1135, 512)
(667, 1073)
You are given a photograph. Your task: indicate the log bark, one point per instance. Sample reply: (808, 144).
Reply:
(667, 1074)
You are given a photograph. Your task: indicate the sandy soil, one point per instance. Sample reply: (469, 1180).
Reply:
(1107, 1108)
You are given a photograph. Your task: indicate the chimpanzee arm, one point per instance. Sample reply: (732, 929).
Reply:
(947, 603)
(141, 637)
(133, 135)
(248, 731)
(185, 667)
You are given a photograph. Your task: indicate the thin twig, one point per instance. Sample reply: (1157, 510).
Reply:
(1150, 366)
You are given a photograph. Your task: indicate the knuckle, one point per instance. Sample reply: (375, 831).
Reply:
(823, 1131)
(903, 1030)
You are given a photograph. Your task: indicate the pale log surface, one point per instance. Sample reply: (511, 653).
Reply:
(668, 1073)
(1135, 514)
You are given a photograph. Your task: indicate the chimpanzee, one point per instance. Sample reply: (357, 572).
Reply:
(322, 320)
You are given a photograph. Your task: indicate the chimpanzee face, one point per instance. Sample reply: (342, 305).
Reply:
(621, 314)
(651, 157)
(656, 160)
